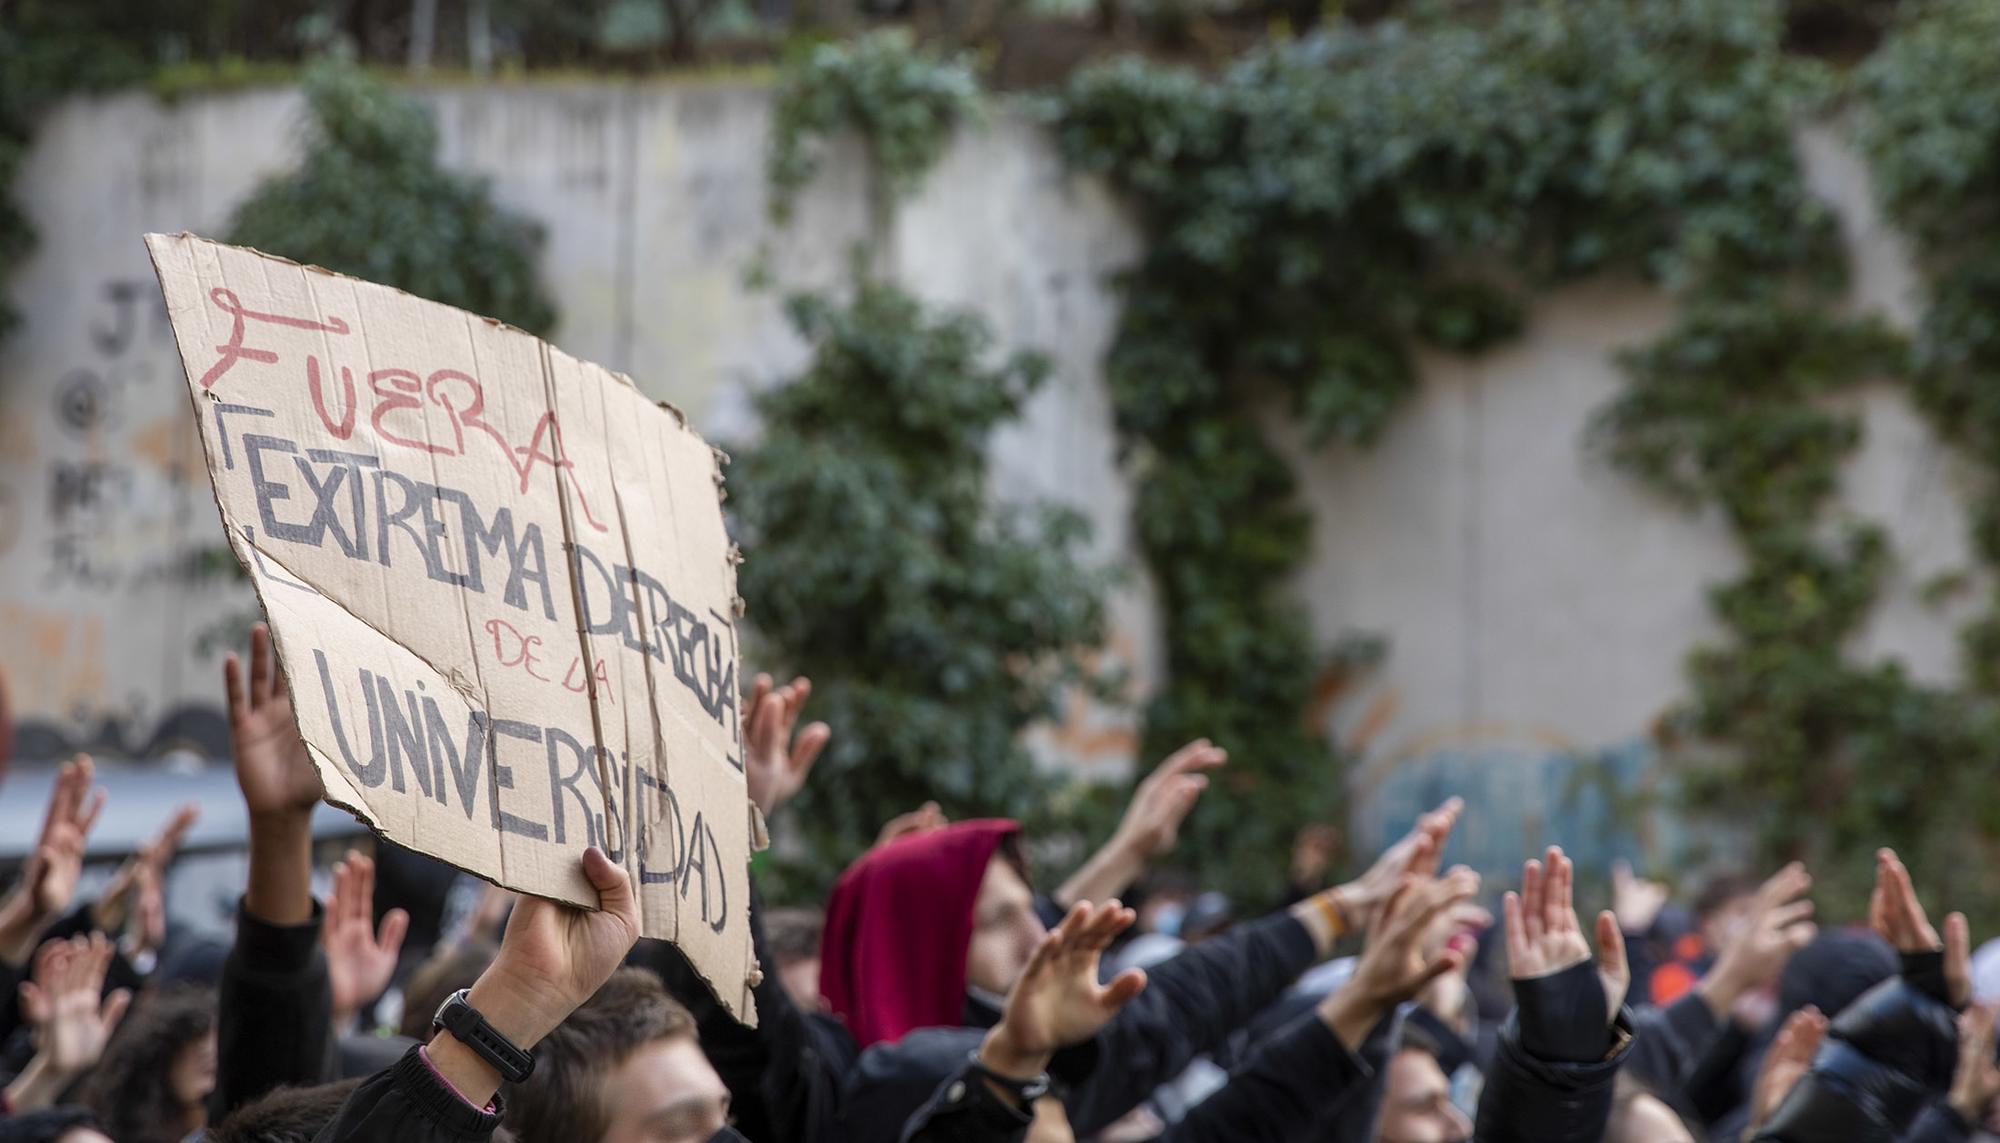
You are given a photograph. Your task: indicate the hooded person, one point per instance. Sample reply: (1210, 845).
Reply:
(926, 934)
(898, 949)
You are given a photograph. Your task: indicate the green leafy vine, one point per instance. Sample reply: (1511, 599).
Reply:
(1322, 208)
(903, 102)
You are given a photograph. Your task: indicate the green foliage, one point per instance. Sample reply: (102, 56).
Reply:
(934, 625)
(369, 199)
(1320, 209)
(903, 102)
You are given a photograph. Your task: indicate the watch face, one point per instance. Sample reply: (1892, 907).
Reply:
(456, 998)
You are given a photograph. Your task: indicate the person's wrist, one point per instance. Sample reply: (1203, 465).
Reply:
(1003, 1054)
(510, 1006)
(1969, 1107)
(1721, 989)
(1351, 1012)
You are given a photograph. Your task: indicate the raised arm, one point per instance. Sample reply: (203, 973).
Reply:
(1559, 1053)
(71, 1016)
(1668, 1043)
(1297, 1082)
(274, 1018)
(1151, 825)
(1198, 998)
(1890, 1053)
(1056, 1002)
(552, 959)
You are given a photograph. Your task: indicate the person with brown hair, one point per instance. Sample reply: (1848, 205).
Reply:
(153, 1083)
(624, 1068)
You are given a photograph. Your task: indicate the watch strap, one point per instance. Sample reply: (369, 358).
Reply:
(1026, 1091)
(457, 1016)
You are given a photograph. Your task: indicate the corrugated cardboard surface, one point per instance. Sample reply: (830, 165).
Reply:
(499, 581)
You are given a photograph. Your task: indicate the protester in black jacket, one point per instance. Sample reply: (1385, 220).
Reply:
(1289, 1084)
(1893, 1052)
(1560, 1051)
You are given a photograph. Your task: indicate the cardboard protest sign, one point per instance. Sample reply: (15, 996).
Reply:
(502, 593)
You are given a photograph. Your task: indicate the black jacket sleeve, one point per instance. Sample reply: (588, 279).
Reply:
(1886, 1057)
(274, 1019)
(1354, 1117)
(966, 1110)
(409, 1103)
(1190, 1005)
(1938, 1124)
(1552, 1075)
(1292, 1085)
(1669, 1043)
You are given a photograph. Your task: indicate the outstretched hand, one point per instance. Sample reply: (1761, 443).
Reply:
(775, 761)
(1057, 1000)
(1416, 852)
(1544, 937)
(1636, 901)
(1400, 958)
(1152, 822)
(1787, 1062)
(71, 1018)
(1779, 924)
(48, 880)
(1898, 917)
(273, 769)
(359, 960)
(1975, 1084)
(125, 887)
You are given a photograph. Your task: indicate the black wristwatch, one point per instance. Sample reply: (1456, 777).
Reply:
(468, 1027)
(1024, 1091)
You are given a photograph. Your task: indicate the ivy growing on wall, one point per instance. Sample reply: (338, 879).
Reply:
(370, 199)
(904, 104)
(935, 626)
(1321, 209)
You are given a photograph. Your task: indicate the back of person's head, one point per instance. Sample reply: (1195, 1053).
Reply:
(447, 971)
(66, 1124)
(1721, 890)
(287, 1115)
(629, 1053)
(158, 1069)
(1833, 971)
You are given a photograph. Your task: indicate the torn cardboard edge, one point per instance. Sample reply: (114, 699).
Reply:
(177, 255)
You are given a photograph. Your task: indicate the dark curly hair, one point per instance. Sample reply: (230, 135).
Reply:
(132, 1089)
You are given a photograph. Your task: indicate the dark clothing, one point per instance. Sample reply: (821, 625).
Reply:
(785, 1075)
(409, 1103)
(1528, 1100)
(1939, 1124)
(1291, 1084)
(1669, 1047)
(1886, 1058)
(1558, 1059)
(1190, 1005)
(274, 1019)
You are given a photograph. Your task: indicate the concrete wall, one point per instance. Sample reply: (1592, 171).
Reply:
(1537, 605)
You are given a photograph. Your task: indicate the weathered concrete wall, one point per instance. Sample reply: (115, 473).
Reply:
(1537, 605)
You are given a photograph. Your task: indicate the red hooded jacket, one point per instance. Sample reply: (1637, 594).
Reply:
(899, 922)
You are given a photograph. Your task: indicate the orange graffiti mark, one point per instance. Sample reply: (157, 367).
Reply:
(67, 651)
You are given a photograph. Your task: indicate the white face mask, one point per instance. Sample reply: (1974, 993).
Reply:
(1167, 919)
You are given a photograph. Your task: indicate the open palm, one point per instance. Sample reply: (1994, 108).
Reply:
(272, 766)
(1543, 936)
(359, 959)
(1057, 1001)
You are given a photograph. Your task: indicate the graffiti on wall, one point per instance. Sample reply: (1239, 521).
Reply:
(102, 527)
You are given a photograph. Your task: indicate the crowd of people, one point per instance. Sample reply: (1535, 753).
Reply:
(940, 996)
